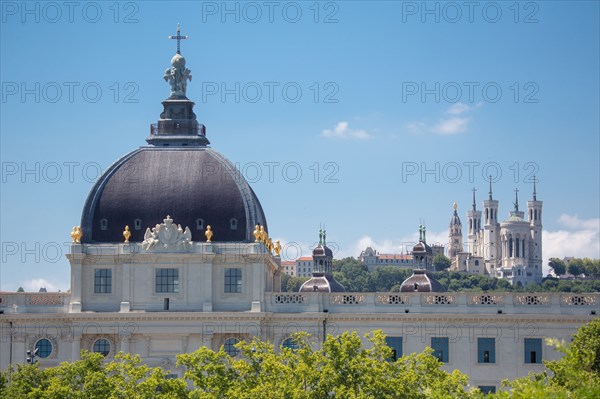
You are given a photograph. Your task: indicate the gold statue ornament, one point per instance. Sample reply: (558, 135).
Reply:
(127, 234)
(269, 244)
(76, 235)
(257, 233)
(263, 234)
(208, 233)
(277, 247)
(455, 205)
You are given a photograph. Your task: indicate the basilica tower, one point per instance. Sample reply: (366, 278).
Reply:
(455, 238)
(474, 220)
(491, 234)
(534, 208)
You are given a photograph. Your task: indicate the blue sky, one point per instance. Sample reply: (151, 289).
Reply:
(359, 97)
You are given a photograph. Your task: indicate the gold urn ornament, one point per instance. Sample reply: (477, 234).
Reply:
(208, 234)
(126, 233)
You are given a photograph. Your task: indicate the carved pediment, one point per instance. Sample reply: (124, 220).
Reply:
(167, 236)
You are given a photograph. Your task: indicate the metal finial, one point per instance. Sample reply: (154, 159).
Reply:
(178, 38)
(490, 187)
(534, 192)
(516, 200)
(474, 206)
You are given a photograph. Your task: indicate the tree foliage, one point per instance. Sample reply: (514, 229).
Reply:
(558, 266)
(441, 262)
(355, 277)
(342, 368)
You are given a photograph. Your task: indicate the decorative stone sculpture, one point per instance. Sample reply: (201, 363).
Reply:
(208, 233)
(126, 233)
(76, 235)
(167, 235)
(177, 76)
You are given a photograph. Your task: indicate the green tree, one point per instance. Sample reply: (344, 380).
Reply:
(92, 377)
(575, 267)
(284, 281)
(343, 368)
(441, 262)
(294, 283)
(558, 266)
(20, 289)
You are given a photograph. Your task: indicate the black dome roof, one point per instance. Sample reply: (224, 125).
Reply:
(421, 281)
(196, 186)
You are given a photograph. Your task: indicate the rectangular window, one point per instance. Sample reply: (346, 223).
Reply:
(233, 280)
(486, 350)
(167, 280)
(440, 348)
(485, 389)
(102, 281)
(395, 343)
(533, 350)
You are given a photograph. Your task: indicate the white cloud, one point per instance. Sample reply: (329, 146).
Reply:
(458, 108)
(35, 284)
(452, 125)
(449, 125)
(573, 222)
(341, 130)
(579, 238)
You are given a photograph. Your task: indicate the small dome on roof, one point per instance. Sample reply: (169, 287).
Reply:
(420, 281)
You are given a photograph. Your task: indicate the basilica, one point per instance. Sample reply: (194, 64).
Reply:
(511, 249)
(173, 253)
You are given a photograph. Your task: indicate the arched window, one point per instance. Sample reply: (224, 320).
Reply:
(523, 245)
(44, 348)
(290, 343)
(476, 262)
(137, 224)
(517, 247)
(200, 224)
(101, 346)
(535, 214)
(510, 247)
(230, 348)
(486, 214)
(233, 224)
(103, 224)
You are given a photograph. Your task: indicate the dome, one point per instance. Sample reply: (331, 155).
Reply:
(322, 282)
(321, 250)
(422, 247)
(195, 186)
(420, 281)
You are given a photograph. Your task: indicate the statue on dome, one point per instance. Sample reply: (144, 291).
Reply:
(277, 247)
(256, 233)
(126, 233)
(208, 233)
(76, 235)
(177, 76)
(263, 234)
(167, 235)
